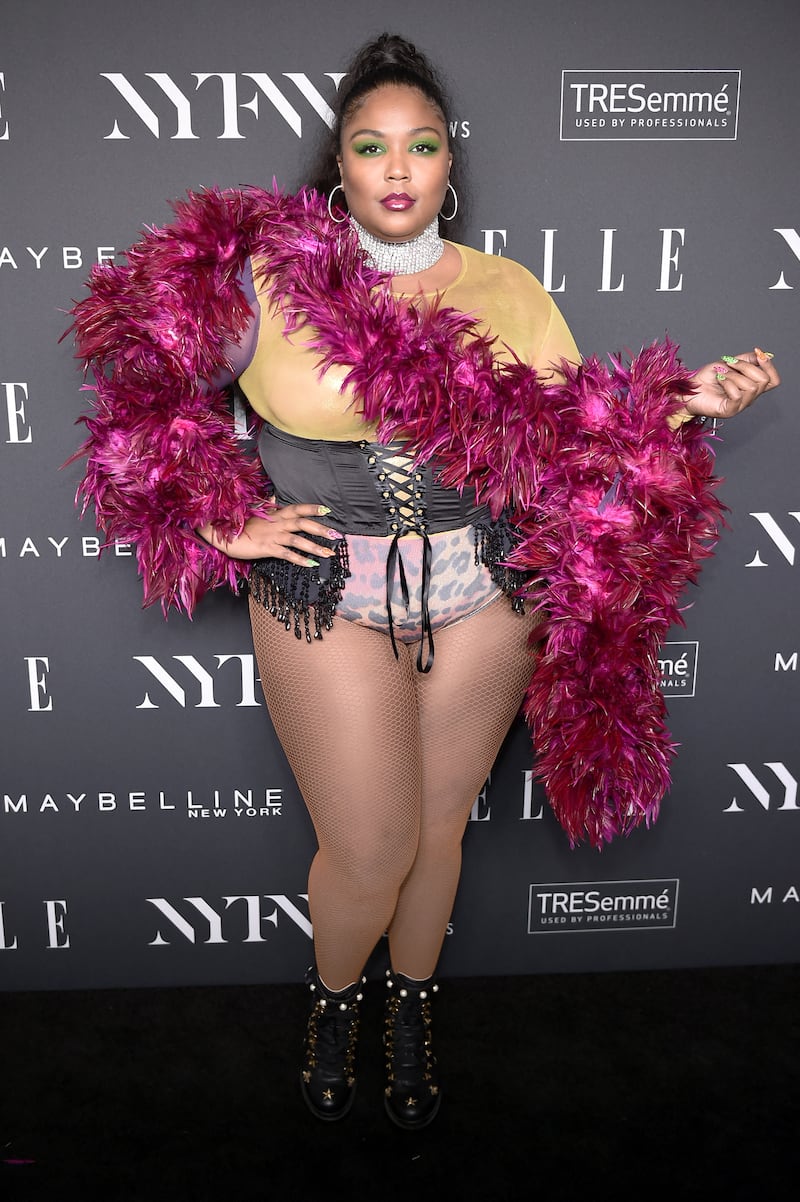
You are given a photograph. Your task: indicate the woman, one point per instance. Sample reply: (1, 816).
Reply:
(410, 662)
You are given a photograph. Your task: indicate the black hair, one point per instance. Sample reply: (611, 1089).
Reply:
(388, 59)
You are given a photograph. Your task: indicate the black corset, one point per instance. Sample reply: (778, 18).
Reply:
(353, 480)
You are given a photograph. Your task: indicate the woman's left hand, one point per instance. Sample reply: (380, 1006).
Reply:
(725, 388)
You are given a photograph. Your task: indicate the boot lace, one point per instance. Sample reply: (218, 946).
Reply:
(332, 1031)
(409, 1043)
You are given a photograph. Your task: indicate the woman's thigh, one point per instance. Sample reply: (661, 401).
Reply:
(345, 711)
(468, 702)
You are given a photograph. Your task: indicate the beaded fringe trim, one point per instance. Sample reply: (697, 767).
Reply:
(290, 591)
(494, 542)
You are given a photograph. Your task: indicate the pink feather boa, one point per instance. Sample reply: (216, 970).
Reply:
(615, 511)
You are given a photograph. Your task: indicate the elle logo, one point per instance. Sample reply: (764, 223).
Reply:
(3, 124)
(16, 420)
(55, 914)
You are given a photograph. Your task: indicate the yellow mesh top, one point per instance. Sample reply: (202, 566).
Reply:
(283, 385)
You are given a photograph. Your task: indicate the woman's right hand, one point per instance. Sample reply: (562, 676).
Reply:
(278, 534)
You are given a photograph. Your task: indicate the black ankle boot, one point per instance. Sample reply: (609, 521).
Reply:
(328, 1083)
(412, 1096)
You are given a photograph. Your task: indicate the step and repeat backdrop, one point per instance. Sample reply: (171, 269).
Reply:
(642, 160)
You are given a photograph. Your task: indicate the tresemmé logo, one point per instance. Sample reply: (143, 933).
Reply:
(647, 106)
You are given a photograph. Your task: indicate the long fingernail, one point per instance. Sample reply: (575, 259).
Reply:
(729, 359)
(721, 370)
(332, 534)
(763, 356)
(312, 563)
(322, 510)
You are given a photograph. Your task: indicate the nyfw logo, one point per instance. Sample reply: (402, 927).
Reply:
(779, 540)
(647, 106)
(169, 108)
(773, 789)
(238, 919)
(196, 686)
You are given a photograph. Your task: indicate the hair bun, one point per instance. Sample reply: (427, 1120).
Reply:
(389, 50)
(390, 59)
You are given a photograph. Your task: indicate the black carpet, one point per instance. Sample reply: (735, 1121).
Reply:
(575, 1087)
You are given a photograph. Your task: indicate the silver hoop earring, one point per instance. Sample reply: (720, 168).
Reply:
(455, 202)
(331, 195)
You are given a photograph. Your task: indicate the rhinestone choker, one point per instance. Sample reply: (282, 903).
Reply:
(402, 258)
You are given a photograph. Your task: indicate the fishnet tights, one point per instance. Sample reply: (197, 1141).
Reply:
(389, 762)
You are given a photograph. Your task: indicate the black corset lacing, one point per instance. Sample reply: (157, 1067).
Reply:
(401, 489)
